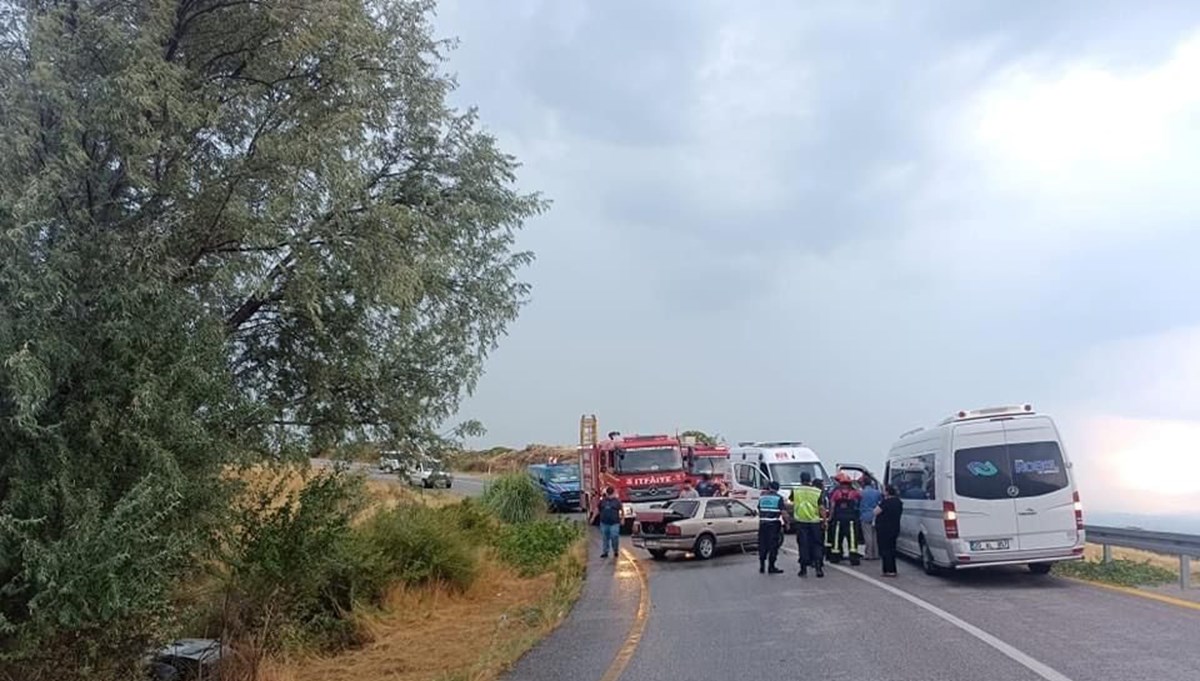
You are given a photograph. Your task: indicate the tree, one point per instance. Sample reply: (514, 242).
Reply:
(701, 437)
(226, 227)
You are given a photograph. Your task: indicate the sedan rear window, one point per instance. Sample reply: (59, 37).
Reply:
(1028, 469)
(683, 507)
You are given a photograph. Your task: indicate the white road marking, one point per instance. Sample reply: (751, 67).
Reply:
(1041, 669)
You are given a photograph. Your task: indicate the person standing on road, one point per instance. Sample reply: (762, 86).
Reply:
(845, 503)
(770, 528)
(611, 515)
(706, 488)
(871, 496)
(806, 514)
(689, 492)
(887, 527)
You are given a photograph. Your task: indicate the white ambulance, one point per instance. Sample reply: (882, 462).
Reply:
(987, 487)
(755, 464)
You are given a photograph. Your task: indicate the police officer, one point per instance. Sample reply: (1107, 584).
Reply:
(844, 503)
(771, 507)
(808, 516)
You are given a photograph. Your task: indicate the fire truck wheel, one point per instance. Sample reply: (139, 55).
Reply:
(706, 546)
(658, 554)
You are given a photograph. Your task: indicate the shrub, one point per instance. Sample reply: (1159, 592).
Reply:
(420, 545)
(535, 547)
(473, 519)
(294, 567)
(1122, 572)
(514, 498)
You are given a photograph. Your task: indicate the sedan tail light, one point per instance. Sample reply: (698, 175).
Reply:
(673, 530)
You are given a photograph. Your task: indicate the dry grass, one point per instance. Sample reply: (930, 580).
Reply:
(1096, 552)
(434, 634)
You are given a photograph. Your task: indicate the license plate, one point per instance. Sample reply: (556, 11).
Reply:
(653, 543)
(990, 545)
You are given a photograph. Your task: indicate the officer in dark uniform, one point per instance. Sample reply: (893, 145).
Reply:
(771, 507)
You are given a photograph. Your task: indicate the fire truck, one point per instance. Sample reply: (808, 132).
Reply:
(642, 469)
(711, 460)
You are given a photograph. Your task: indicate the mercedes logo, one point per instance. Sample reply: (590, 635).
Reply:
(1013, 490)
(653, 491)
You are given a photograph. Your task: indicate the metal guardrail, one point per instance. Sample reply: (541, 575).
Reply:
(1185, 546)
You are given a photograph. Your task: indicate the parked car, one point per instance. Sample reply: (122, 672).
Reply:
(701, 526)
(428, 473)
(389, 462)
(559, 483)
(189, 659)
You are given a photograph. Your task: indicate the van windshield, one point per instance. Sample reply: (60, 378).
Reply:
(788, 474)
(563, 474)
(1028, 469)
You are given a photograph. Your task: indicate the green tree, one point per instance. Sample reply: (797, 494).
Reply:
(701, 437)
(226, 227)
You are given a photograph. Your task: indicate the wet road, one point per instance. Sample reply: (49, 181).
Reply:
(720, 620)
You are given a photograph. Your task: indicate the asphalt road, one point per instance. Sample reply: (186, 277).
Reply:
(722, 620)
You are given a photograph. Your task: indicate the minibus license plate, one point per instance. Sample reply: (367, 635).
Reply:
(990, 545)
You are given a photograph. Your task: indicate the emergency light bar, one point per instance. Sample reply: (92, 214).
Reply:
(988, 412)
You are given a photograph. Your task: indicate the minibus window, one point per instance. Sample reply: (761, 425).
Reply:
(982, 473)
(1028, 469)
(1037, 468)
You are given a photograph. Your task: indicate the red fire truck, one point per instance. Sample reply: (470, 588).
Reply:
(643, 469)
(710, 460)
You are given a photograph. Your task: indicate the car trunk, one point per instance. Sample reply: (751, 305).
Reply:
(654, 522)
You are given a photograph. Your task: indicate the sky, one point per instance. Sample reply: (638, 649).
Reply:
(835, 222)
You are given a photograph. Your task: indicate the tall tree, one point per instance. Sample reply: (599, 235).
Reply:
(226, 226)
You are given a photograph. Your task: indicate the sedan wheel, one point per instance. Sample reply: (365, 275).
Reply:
(706, 546)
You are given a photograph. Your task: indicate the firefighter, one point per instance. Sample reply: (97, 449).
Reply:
(844, 525)
(770, 528)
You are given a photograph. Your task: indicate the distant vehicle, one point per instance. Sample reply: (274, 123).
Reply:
(559, 483)
(428, 473)
(389, 462)
(189, 659)
(757, 463)
(987, 487)
(642, 469)
(710, 460)
(701, 526)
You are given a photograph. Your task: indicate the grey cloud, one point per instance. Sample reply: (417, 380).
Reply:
(773, 225)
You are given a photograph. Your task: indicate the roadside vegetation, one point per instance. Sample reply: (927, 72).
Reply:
(1119, 571)
(234, 233)
(405, 591)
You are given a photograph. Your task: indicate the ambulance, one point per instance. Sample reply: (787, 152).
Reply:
(755, 464)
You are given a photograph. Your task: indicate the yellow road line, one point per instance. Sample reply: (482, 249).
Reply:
(625, 654)
(1162, 598)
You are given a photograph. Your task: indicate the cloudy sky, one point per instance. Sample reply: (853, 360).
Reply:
(838, 222)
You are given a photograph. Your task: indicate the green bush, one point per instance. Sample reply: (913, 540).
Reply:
(535, 547)
(420, 545)
(473, 519)
(1121, 572)
(295, 567)
(515, 498)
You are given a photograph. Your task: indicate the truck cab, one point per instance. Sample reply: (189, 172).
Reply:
(559, 483)
(755, 464)
(644, 470)
(710, 460)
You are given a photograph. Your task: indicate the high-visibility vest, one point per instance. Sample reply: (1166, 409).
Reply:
(806, 504)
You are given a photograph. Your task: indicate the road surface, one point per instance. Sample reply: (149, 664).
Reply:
(722, 620)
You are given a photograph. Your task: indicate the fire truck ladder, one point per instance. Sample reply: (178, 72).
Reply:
(588, 429)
